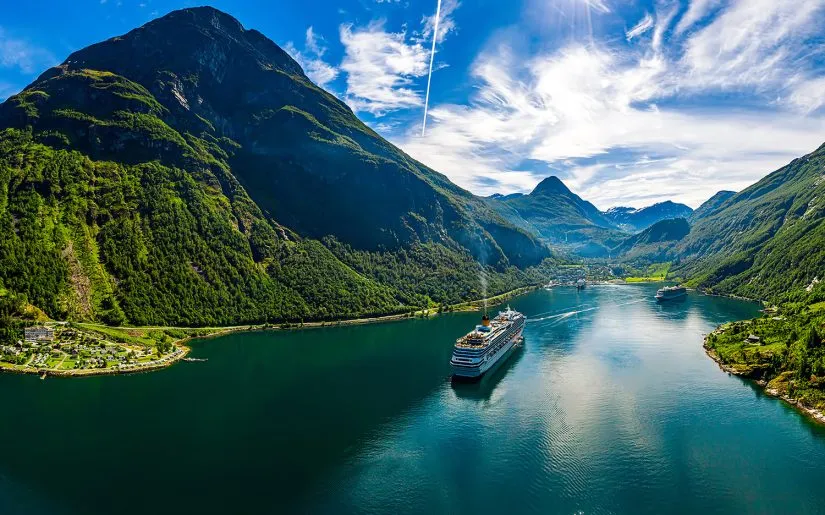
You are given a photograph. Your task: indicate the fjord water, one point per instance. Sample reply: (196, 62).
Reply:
(610, 406)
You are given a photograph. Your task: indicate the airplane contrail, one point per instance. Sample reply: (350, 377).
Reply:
(430, 75)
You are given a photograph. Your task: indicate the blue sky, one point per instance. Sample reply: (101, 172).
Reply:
(629, 102)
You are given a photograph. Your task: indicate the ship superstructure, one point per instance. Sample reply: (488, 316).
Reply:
(479, 350)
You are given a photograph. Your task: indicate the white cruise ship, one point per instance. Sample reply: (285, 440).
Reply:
(480, 349)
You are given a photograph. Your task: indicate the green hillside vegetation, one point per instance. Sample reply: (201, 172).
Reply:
(766, 240)
(143, 184)
(710, 206)
(656, 272)
(790, 353)
(654, 244)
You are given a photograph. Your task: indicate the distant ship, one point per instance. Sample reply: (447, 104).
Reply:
(580, 284)
(670, 292)
(487, 344)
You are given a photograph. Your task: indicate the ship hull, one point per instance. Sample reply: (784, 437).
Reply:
(475, 373)
(663, 298)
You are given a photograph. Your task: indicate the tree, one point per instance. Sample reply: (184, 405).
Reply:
(814, 340)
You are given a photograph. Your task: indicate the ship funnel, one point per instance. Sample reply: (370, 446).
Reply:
(485, 320)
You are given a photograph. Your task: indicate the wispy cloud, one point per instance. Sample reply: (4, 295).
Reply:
(598, 5)
(311, 59)
(381, 67)
(23, 55)
(446, 21)
(644, 25)
(752, 43)
(697, 10)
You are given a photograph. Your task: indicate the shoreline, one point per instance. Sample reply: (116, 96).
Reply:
(816, 415)
(182, 350)
(729, 296)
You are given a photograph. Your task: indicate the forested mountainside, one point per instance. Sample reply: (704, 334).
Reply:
(711, 205)
(561, 218)
(766, 240)
(188, 172)
(636, 220)
(654, 243)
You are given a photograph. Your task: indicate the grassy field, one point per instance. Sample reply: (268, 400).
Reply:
(654, 273)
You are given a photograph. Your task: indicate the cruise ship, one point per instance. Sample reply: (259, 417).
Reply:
(490, 342)
(670, 292)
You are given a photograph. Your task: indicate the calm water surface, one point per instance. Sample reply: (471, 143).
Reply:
(611, 406)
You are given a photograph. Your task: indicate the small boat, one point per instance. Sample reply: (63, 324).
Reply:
(581, 284)
(670, 292)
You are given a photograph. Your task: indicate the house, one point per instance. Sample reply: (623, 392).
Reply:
(752, 338)
(37, 333)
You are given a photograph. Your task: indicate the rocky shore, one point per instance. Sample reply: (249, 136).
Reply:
(756, 374)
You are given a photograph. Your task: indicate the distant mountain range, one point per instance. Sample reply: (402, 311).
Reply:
(565, 220)
(762, 242)
(635, 220)
(189, 173)
(561, 218)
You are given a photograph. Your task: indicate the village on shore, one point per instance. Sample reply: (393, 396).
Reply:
(66, 349)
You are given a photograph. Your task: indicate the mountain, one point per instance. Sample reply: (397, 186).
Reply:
(766, 240)
(561, 218)
(654, 243)
(711, 205)
(189, 172)
(635, 220)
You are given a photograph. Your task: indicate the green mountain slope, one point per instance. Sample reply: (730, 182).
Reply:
(711, 205)
(767, 239)
(654, 243)
(561, 218)
(186, 173)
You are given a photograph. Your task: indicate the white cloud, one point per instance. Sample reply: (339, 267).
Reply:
(644, 25)
(311, 59)
(446, 23)
(808, 95)
(589, 114)
(714, 99)
(664, 17)
(20, 54)
(599, 5)
(697, 10)
(381, 67)
(751, 43)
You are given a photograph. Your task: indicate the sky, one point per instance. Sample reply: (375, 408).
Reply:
(629, 102)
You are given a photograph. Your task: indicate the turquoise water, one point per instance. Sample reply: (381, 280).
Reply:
(610, 406)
